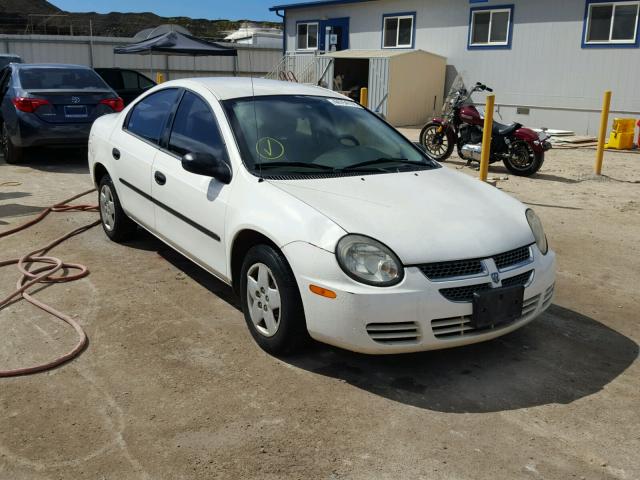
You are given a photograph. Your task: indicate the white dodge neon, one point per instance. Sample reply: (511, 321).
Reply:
(325, 220)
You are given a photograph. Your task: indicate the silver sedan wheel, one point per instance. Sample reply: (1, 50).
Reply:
(263, 299)
(107, 208)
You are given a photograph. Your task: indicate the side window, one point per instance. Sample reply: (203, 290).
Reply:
(112, 77)
(397, 30)
(148, 117)
(129, 80)
(195, 129)
(307, 38)
(144, 82)
(612, 23)
(5, 76)
(490, 27)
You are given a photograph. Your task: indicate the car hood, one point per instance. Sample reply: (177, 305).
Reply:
(426, 216)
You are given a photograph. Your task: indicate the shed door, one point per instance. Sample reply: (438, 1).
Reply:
(324, 72)
(378, 84)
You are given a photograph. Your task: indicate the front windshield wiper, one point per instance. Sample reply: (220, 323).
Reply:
(377, 161)
(265, 165)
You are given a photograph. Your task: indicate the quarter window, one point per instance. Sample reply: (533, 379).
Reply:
(195, 129)
(307, 36)
(148, 118)
(398, 31)
(490, 27)
(612, 22)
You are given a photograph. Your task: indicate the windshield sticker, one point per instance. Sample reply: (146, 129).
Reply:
(343, 103)
(269, 148)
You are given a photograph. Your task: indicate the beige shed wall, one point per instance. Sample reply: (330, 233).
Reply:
(416, 82)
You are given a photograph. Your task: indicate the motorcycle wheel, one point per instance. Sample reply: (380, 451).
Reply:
(523, 161)
(437, 144)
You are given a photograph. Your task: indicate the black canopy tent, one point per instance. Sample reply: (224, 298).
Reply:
(176, 43)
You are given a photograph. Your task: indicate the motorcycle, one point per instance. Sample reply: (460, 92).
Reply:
(521, 149)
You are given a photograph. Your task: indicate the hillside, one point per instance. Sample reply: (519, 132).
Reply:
(41, 17)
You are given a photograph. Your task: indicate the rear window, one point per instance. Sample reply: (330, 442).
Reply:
(60, 79)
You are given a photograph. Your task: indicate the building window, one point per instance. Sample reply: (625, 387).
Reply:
(490, 27)
(307, 36)
(398, 30)
(612, 23)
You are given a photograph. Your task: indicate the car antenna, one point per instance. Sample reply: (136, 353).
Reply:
(255, 117)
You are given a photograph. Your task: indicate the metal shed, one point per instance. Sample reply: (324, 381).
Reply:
(406, 86)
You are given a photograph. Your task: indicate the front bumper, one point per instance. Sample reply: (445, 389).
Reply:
(412, 316)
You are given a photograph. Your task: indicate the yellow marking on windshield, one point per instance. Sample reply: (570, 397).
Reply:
(269, 148)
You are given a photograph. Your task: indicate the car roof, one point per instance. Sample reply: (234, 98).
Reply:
(225, 88)
(51, 65)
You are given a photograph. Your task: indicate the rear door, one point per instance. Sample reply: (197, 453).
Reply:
(135, 146)
(74, 94)
(190, 209)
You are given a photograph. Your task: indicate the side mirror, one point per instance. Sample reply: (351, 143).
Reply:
(207, 165)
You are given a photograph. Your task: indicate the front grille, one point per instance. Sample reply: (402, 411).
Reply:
(473, 267)
(394, 333)
(463, 294)
(513, 257)
(457, 268)
(548, 296)
(447, 328)
(521, 279)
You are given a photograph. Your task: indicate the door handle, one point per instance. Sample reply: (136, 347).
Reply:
(116, 153)
(159, 178)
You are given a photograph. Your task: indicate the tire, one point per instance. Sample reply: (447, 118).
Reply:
(438, 145)
(12, 154)
(277, 323)
(115, 223)
(516, 163)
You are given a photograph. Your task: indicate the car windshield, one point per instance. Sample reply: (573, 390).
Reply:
(309, 135)
(61, 79)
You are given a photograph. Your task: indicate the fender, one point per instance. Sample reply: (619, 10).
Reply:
(451, 133)
(531, 137)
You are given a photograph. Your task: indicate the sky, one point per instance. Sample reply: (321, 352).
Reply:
(211, 9)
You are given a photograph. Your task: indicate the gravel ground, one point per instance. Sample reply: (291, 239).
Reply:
(172, 386)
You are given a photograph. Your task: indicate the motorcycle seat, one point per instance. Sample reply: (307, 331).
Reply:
(505, 130)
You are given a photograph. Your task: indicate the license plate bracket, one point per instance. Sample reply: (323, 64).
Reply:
(75, 111)
(497, 306)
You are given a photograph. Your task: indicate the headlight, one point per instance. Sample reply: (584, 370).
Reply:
(538, 231)
(368, 261)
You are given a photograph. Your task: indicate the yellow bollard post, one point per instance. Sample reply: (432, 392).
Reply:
(364, 97)
(486, 137)
(604, 120)
(159, 77)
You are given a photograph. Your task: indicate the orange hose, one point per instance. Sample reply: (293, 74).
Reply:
(46, 273)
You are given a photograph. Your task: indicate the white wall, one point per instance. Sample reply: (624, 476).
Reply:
(546, 68)
(98, 52)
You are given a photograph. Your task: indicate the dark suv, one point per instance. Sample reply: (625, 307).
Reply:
(50, 104)
(127, 83)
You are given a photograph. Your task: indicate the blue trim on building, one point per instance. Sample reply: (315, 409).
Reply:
(413, 34)
(507, 46)
(314, 4)
(585, 21)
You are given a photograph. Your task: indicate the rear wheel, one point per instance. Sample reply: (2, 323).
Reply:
(436, 142)
(271, 301)
(12, 154)
(115, 222)
(522, 160)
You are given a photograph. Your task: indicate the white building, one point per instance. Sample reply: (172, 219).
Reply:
(548, 61)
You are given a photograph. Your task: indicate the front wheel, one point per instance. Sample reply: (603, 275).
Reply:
(436, 141)
(522, 160)
(271, 301)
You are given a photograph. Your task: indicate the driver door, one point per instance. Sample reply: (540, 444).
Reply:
(190, 209)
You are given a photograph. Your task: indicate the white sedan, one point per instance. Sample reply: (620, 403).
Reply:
(324, 219)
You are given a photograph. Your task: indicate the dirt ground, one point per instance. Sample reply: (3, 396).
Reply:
(172, 386)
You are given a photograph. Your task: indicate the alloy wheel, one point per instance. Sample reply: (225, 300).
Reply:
(107, 208)
(263, 299)
(436, 143)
